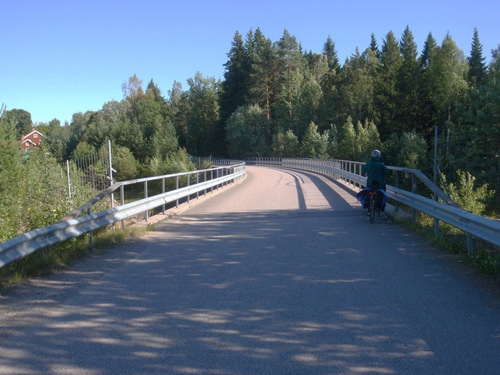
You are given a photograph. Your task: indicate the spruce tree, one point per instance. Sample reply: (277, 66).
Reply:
(477, 69)
(408, 83)
(330, 53)
(429, 46)
(235, 86)
(386, 93)
(425, 94)
(330, 84)
(374, 46)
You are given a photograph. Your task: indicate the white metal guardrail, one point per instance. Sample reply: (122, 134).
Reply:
(449, 211)
(73, 226)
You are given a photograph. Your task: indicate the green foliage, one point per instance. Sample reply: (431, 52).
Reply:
(82, 150)
(246, 132)
(11, 168)
(38, 195)
(412, 151)
(477, 74)
(235, 88)
(21, 119)
(285, 144)
(314, 145)
(180, 161)
(409, 150)
(347, 145)
(124, 163)
(469, 196)
(204, 133)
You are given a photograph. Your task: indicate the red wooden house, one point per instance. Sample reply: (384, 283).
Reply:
(31, 140)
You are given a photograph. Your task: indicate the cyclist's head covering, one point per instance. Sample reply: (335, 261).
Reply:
(376, 153)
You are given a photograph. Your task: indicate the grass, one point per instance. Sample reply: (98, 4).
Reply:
(63, 255)
(485, 258)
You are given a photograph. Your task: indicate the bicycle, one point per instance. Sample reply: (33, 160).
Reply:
(373, 209)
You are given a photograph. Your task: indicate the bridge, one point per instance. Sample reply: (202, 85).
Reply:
(280, 273)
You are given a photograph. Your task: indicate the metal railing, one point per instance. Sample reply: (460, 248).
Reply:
(447, 211)
(74, 226)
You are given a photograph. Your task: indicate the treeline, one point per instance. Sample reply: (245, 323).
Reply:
(277, 99)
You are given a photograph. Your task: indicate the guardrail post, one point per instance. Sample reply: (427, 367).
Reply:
(204, 180)
(176, 188)
(163, 192)
(414, 191)
(146, 213)
(470, 244)
(91, 239)
(122, 201)
(189, 183)
(397, 185)
(197, 181)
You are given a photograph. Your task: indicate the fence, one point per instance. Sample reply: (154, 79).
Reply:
(91, 170)
(448, 211)
(74, 226)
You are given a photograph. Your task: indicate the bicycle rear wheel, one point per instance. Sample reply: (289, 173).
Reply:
(372, 210)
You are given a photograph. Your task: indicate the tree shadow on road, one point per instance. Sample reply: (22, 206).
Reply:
(259, 293)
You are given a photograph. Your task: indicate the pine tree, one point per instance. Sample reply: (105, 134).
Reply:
(264, 74)
(290, 65)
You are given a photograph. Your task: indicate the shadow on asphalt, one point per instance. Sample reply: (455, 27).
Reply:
(279, 292)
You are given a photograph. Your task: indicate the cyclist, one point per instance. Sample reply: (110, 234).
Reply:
(375, 170)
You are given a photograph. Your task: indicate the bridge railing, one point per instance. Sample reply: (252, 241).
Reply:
(447, 210)
(74, 225)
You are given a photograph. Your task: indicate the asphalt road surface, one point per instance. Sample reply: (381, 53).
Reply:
(280, 274)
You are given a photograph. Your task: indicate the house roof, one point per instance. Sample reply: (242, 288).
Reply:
(28, 140)
(33, 131)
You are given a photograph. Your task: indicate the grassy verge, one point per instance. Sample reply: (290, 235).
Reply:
(59, 256)
(486, 257)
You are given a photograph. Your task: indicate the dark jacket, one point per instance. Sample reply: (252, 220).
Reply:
(375, 170)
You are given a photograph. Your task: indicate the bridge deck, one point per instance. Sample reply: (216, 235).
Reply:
(280, 274)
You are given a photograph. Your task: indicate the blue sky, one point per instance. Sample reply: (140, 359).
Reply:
(62, 57)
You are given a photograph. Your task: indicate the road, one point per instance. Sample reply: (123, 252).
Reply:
(280, 274)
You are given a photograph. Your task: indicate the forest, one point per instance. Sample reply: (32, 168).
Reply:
(276, 99)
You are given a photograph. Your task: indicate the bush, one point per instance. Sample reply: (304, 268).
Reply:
(467, 195)
(124, 163)
(285, 144)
